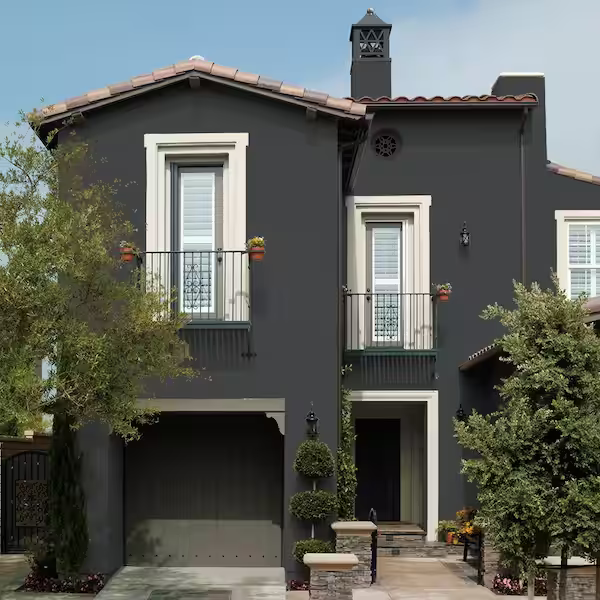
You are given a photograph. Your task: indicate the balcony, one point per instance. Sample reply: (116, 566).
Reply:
(211, 287)
(390, 339)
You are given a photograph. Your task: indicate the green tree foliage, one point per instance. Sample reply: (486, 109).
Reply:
(67, 298)
(314, 460)
(69, 537)
(538, 463)
(346, 468)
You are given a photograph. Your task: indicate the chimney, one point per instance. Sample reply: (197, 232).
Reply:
(371, 72)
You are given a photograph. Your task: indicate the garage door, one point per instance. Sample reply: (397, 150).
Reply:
(204, 490)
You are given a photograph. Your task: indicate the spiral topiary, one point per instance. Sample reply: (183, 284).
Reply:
(313, 505)
(302, 547)
(314, 460)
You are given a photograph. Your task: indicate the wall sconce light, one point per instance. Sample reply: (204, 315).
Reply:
(460, 414)
(465, 236)
(312, 422)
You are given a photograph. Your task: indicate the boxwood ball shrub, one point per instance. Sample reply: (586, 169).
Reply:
(314, 459)
(313, 505)
(302, 547)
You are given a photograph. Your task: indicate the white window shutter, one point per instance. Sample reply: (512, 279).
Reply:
(197, 206)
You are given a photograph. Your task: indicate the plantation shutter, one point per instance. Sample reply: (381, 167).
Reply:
(386, 281)
(584, 259)
(198, 239)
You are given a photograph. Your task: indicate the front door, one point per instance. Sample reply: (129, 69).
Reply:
(378, 465)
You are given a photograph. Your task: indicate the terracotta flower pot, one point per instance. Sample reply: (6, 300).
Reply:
(443, 296)
(449, 537)
(127, 254)
(257, 253)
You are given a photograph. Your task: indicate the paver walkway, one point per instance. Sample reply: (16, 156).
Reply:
(425, 579)
(13, 567)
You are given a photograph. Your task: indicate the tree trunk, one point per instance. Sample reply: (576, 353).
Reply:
(531, 585)
(598, 577)
(562, 581)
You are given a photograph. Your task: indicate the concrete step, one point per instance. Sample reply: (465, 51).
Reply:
(394, 539)
(420, 550)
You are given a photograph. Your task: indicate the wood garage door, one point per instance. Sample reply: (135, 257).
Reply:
(205, 490)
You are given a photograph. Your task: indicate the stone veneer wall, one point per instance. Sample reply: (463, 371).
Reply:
(330, 585)
(359, 545)
(581, 583)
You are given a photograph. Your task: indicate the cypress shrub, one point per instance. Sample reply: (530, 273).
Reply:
(313, 505)
(302, 547)
(314, 460)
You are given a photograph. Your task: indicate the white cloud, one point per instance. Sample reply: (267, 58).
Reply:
(464, 53)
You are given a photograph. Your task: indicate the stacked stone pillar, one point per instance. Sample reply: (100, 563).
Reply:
(354, 537)
(331, 576)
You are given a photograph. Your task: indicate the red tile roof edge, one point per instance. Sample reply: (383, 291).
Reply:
(484, 99)
(573, 173)
(249, 80)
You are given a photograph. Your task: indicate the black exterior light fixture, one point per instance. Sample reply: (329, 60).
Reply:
(312, 422)
(465, 235)
(460, 414)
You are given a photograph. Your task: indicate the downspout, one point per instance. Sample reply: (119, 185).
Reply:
(523, 196)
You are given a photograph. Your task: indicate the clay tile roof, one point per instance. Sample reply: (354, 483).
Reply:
(573, 173)
(188, 67)
(451, 100)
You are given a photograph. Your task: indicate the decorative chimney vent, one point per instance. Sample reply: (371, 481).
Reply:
(371, 73)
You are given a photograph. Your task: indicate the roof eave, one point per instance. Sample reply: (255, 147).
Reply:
(449, 105)
(195, 73)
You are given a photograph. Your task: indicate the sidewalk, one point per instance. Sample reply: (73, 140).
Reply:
(13, 569)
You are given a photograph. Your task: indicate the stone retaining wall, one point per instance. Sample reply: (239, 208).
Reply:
(359, 545)
(581, 583)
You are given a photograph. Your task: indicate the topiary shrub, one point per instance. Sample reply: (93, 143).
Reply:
(314, 459)
(302, 547)
(313, 505)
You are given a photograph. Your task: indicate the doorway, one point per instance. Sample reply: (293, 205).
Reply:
(378, 468)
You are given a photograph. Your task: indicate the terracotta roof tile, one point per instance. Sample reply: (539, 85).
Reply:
(138, 83)
(573, 173)
(485, 99)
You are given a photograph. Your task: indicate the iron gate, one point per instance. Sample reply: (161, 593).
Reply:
(24, 499)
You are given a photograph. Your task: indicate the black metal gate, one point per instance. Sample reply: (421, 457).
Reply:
(24, 499)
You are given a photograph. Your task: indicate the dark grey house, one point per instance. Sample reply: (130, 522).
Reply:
(365, 204)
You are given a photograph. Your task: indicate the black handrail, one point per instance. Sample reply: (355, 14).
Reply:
(373, 519)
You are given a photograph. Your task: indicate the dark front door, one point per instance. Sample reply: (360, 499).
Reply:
(205, 490)
(378, 464)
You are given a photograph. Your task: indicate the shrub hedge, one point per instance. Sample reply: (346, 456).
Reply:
(313, 505)
(302, 547)
(314, 459)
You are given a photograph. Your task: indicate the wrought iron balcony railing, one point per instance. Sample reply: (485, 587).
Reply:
(385, 322)
(210, 286)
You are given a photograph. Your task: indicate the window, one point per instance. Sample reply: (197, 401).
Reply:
(584, 259)
(198, 234)
(384, 277)
(388, 302)
(196, 222)
(578, 252)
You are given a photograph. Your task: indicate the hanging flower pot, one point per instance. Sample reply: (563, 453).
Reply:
(443, 291)
(128, 252)
(256, 248)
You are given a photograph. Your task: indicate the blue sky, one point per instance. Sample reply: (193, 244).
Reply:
(438, 47)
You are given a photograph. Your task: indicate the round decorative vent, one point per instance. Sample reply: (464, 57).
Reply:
(385, 144)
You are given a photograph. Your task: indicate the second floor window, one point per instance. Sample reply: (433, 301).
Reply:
(197, 237)
(584, 259)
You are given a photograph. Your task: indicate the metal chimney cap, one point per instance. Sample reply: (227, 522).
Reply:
(197, 57)
(370, 11)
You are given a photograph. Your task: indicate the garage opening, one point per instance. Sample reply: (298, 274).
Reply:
(205, 489)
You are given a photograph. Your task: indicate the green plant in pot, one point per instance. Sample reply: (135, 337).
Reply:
(256, 248)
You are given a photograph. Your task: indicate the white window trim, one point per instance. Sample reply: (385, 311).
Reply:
(563, 219)
(166, 149)
(431, 400)
(413, 213)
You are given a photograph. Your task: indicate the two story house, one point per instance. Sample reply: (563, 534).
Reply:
(365, 203)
